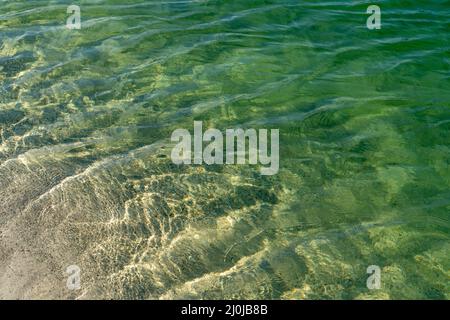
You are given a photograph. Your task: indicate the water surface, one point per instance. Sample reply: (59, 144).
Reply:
(86, 177)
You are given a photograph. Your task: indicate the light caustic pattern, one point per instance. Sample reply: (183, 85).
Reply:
(86, 178)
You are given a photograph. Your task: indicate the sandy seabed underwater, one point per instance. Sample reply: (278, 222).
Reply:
(86, 177)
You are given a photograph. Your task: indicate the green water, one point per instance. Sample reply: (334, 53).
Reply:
(86, 177)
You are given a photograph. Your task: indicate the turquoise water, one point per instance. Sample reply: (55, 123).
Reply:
(86, 177)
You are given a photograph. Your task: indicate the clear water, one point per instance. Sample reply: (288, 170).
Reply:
(86, 178)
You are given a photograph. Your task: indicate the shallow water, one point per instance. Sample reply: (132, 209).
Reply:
(86, 177)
